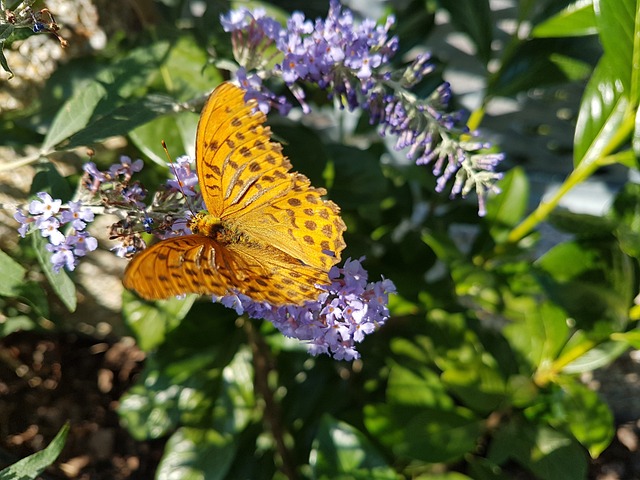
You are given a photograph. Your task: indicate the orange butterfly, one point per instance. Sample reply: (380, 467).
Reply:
(267, 233)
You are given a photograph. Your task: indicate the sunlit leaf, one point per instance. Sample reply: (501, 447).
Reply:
(341, 451)
(575, 20)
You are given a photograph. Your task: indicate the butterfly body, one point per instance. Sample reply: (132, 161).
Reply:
(267, 233)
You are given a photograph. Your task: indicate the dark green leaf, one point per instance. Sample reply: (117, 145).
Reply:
(208, 451)
(6, 29)
(426, 434)
(575, 20)
(417, 386)
(582, 225)
(586, 415)
(626, 212)
(123, 119)
(49, 180)
(60, 282)
(197, 453)
(12, 275)
(340, 451)
(130, 76)
(182, 380)
(543, 451)
(532, 65)
(593, 281)
(151, 321)
(3, 62)
(474, 18)
(73, 115)
(33, 465)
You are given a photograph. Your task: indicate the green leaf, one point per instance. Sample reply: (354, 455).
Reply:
(635, 142)
(359, 182)
(418, 386)
(539, 331)
(631, 338)
(73, 115)
(177, 131)
(545, 452)
(49, 180)
(182, 380)
(480, 387)
(209, 452)
(603, 109)
(597, 357)
(150, 321)
(196, 454)
(6, 29)
(122, 120)
(340, 451)
(425, 434)
(576, 20)
(530, 66)
(618, 24)
(588, 418)
(130, 76)
(60, 282)
(505, 210)
(185, 68)
(475, 19)
(33, 465)
(12, 277)
(3, 62)
(626, 212)
(593, 280)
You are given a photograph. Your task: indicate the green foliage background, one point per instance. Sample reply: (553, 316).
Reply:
(476, 373)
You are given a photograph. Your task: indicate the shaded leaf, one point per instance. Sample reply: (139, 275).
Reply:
(426, 434)
(73, 115)
(150, 321)
(123, 119)
(475, 19)
(33, 465)
(545, 452)
(12, 276)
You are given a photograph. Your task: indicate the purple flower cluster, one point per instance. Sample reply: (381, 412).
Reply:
(350, 308)
(48, 215)
(351, 61)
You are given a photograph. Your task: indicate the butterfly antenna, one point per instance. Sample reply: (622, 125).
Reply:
(177, 175)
